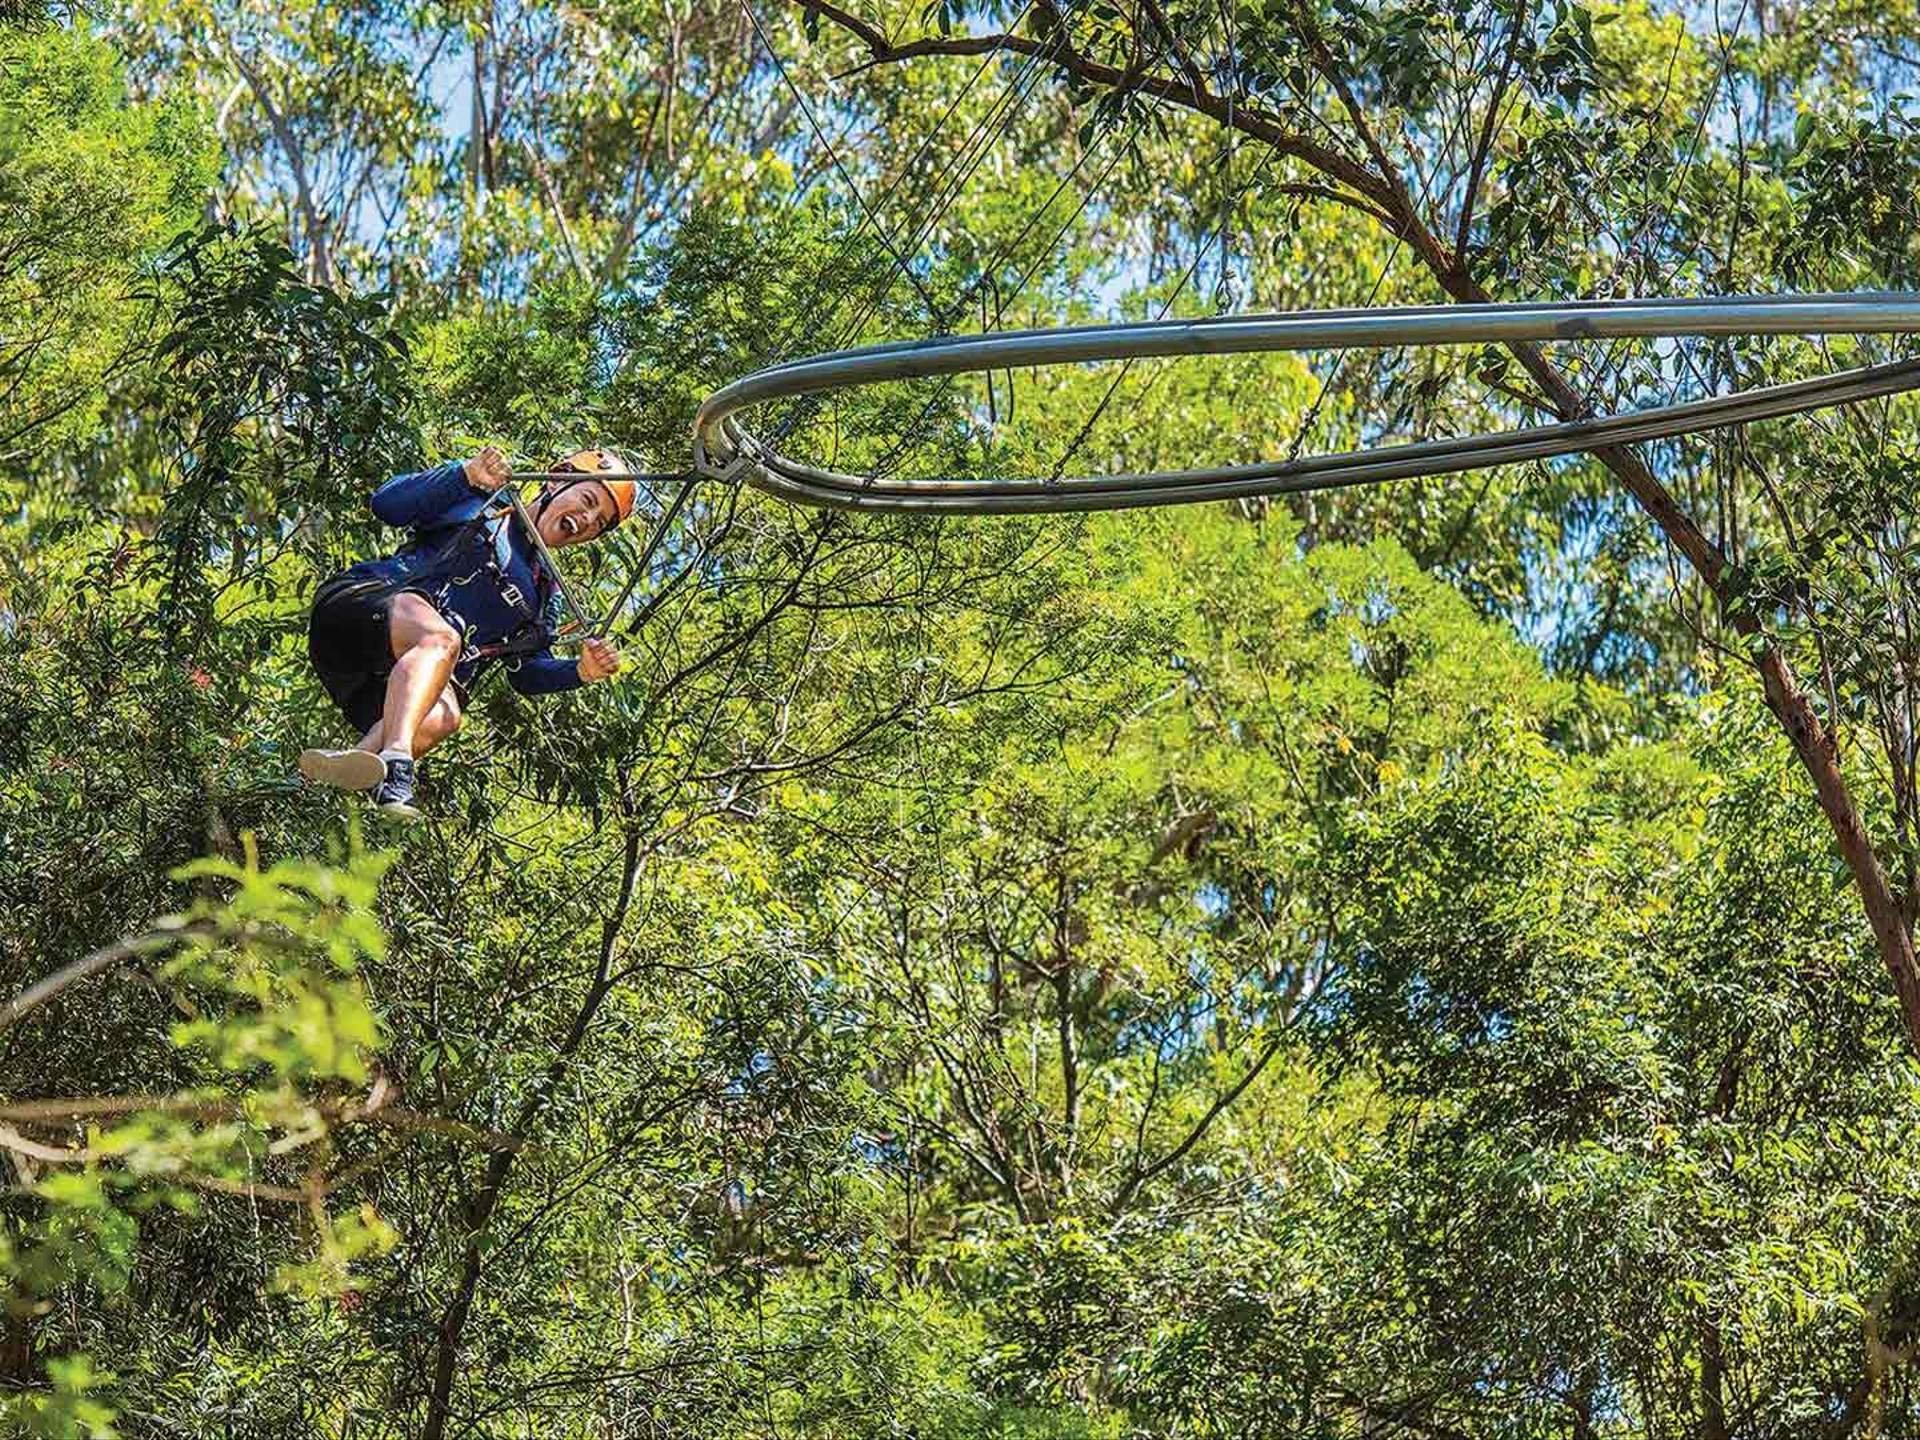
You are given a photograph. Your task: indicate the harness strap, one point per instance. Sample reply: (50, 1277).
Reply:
(529, 637)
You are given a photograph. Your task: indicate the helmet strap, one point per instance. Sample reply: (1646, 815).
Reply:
(551, 492)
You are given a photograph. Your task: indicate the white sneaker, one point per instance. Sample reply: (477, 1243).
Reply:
(346, 769)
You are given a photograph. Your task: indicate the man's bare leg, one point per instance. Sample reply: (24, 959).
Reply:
(442, 721)
(419, 703)
(425, 648)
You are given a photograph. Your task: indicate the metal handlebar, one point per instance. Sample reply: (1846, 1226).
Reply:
(580, 611)
(590, 622)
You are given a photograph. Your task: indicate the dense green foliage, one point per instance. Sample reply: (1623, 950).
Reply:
(1364, 965)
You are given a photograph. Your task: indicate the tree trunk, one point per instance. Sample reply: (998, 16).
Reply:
(1790, 704)
(1062, 981)
(1713, 1379)
(477, 1213)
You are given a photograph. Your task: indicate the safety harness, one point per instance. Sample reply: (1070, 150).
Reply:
(531, 635)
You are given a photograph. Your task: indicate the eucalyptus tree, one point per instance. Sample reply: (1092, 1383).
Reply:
(1107, 928)
(1517, 151)
(1602, 1138)
(469, 143)
(74, 148)
(1182, 973)
(581, 955)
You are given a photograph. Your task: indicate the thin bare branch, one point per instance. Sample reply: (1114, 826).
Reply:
(164, 934)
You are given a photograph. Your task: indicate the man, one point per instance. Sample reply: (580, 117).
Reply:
(397, 641)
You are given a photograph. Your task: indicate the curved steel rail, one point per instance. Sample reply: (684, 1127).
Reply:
(723, 446)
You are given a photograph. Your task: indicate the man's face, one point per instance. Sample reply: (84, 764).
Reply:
(577, 511)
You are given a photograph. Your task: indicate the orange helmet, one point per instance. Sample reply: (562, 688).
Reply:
(587, 462)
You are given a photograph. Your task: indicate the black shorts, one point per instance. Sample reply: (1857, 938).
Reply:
(348, 643)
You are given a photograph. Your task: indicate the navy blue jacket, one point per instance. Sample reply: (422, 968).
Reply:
(491, 587)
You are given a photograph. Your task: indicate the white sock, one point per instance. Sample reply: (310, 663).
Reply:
(395, 752)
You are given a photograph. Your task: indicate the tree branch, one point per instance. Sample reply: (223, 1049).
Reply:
(1308, 189)
(166, 932)
(479, 1208)
(1485, 144)
(343, 1112)
(1141, 1175)
(1253, 121)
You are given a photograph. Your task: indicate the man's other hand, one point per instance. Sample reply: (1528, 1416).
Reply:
(598, 661)
(488, 470)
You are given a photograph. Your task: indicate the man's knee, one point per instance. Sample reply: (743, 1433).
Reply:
(440, 723)
(437, 635)
(416, 625)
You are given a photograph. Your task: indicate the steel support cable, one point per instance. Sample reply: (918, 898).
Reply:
(973, 151)
(926, 142)
(990, 271)
(898, 258)
(888, 462)
(899, 251)
(1462, 121)
(1612, 363)
(813, 124)
(950, 185)
(721, 440)
(1046, 253)
(992, 126)
(947, 188)
(1199, 253)
(658, 533)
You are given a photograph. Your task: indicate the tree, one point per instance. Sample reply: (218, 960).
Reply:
(583, 136)
(73, 150)
(1340, 968)
(1538, 147)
